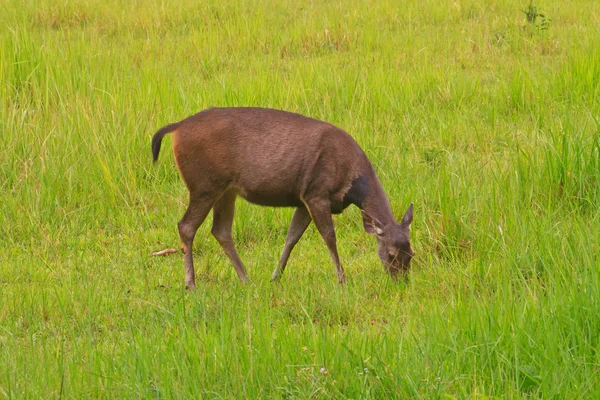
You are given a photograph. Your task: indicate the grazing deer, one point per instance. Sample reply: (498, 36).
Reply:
(279, 159)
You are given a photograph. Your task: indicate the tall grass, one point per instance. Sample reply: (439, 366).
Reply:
(489, 126)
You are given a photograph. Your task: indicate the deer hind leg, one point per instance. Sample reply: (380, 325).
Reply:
(223, 212)
(320, 211)
(300, 222)
(188, 226)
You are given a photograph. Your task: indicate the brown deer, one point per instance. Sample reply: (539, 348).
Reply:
(279, 159)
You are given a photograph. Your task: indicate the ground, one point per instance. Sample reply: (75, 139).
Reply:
(486, 117)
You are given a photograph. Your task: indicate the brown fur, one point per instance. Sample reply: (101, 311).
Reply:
(270, 158)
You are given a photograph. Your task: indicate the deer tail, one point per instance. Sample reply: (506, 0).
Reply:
(158, 136)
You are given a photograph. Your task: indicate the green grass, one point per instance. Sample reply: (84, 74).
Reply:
(491, 127)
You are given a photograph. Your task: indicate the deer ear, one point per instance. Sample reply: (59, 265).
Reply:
(372, 225)
(408, 216)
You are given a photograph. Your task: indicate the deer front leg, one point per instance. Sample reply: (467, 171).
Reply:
(320, 212)
(300, 222)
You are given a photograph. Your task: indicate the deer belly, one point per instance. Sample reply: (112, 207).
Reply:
(271, 198)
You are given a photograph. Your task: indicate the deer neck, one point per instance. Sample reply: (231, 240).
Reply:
(377, 204)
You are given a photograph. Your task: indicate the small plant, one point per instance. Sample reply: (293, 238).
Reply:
(535, 18)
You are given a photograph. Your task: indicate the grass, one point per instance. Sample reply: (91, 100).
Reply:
(491, 126)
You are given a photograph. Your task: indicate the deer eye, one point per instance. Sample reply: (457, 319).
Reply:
(391, 257)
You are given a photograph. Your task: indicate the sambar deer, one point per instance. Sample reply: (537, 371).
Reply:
(281, 159)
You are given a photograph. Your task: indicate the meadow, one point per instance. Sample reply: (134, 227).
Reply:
(485, 116)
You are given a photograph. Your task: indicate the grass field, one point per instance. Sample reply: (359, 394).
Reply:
(490, 124)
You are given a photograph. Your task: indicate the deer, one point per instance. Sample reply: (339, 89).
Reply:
(277, 158)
